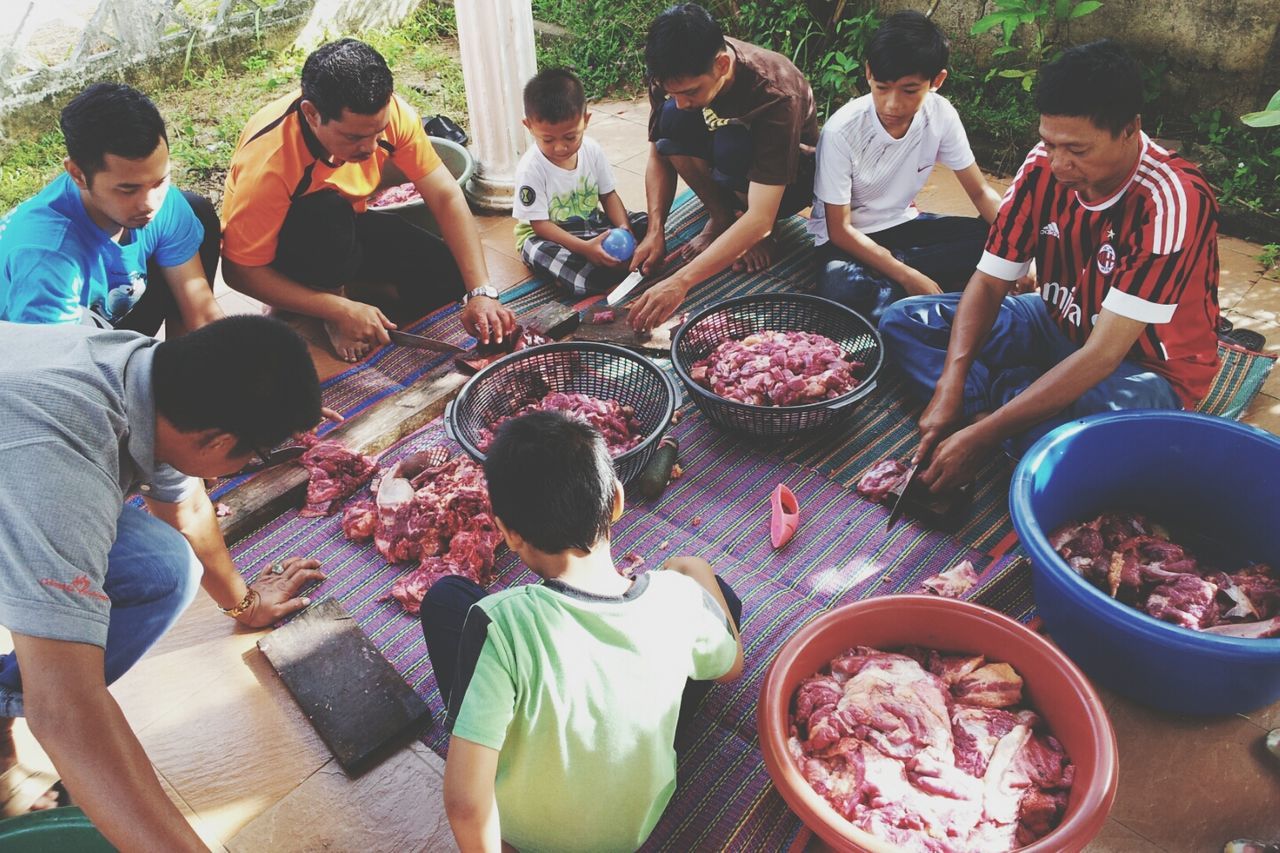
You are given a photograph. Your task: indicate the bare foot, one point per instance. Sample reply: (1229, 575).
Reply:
(713, 229)
(344, 348)
(758, 257)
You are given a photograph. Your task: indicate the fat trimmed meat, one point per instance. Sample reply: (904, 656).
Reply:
(903, 750)
(777, 369)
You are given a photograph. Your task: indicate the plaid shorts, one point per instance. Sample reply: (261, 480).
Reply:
(573, 272)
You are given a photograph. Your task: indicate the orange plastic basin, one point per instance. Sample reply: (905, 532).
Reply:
(1052, 685)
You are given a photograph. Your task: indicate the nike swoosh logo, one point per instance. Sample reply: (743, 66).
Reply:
(922, 168)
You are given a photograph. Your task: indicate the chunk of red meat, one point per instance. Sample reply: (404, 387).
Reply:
(359, 520)
(881, 479)
(396, 195)
(432, 511)
(954, 582)
(1187, 601)
(1262, 587)
(1038, 813)
(996, 685)
(951, 668)
(335, 475)
(770, 368)
(618, 424)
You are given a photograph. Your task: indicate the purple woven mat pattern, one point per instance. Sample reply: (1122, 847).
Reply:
(839, 554)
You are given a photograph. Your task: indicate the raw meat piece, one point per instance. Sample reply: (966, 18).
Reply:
(920, 766)
(777, 369)
(618, 424)
(396, 195)
(1249, 630)
(434, 511)
(221, 510)
(954, 582)
(335, 474)
(605, 315)
(996, 685)
(1187, 601)
(882, 478)
(359, 520)
(1134, 560)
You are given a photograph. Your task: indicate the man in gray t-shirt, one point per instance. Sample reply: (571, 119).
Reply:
(87, 582)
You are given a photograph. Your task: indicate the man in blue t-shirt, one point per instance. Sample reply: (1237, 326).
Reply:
(111, 242)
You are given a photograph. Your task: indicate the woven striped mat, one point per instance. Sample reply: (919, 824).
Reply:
(840, 554)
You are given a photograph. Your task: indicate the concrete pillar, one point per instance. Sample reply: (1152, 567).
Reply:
(496, 41)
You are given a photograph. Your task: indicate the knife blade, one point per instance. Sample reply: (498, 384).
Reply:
(274, 458)
(895, 512)
(408, 339)
(620, 292)
(674, 263)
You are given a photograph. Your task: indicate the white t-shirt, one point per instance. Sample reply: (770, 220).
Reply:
(546, 191)
(861, 165)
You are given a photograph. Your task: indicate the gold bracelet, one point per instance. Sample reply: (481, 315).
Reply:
(250, 598)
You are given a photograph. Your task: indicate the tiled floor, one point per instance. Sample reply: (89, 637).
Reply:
(248, 771)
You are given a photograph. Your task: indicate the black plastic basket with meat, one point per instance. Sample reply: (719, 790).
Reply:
(735, 319)
(598, 370)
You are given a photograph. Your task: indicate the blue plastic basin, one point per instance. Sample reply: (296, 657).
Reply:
(1218, 478)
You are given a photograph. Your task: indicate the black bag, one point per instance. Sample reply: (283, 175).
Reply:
(444, 127)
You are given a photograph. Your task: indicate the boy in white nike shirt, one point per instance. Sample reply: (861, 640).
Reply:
(873, 245)
(566, 200)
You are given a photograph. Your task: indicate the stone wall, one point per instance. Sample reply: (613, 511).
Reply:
(1220, 53)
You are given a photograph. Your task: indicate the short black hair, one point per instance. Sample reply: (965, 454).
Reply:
(110, 118)
(247, 375)
(553, 96)
(907, 43)
(346, 74)
(683, 42)
(1099, 81)
(551, 480)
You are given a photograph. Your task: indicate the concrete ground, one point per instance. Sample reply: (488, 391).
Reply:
(248, 771)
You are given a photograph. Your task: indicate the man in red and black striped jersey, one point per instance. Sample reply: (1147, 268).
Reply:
(1124, 235)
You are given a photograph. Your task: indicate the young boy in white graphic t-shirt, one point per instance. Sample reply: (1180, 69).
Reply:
(875, 153)
(566, 201)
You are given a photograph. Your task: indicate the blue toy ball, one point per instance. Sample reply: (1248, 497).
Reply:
(620, 244)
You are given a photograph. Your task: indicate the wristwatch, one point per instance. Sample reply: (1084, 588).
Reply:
(483, 290)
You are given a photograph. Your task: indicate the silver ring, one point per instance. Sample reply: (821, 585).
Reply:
(276, 569)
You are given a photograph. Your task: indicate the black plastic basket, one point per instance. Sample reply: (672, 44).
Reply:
(777, 312)
(600, 370)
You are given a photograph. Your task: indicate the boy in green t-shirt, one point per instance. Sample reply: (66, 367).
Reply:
(564, 696)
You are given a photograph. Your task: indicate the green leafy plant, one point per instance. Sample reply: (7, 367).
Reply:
(1269, 257)
(1268, 116)
(1047, 21)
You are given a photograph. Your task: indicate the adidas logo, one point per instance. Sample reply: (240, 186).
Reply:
(1050, 230)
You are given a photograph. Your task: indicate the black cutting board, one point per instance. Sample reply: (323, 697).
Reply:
(356, 700)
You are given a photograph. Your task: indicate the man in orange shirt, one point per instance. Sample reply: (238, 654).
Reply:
(295, 228)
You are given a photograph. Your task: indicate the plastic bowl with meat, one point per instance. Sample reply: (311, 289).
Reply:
(1043, 782)
(1206, 479)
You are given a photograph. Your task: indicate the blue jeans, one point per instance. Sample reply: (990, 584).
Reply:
(1024, 344)
(945, 248)
(152, 575)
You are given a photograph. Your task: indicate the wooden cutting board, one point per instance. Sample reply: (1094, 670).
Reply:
(550, 321)
(358, 703)
(617, 331)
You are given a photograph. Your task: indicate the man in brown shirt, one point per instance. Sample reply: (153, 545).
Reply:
(738, 123)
